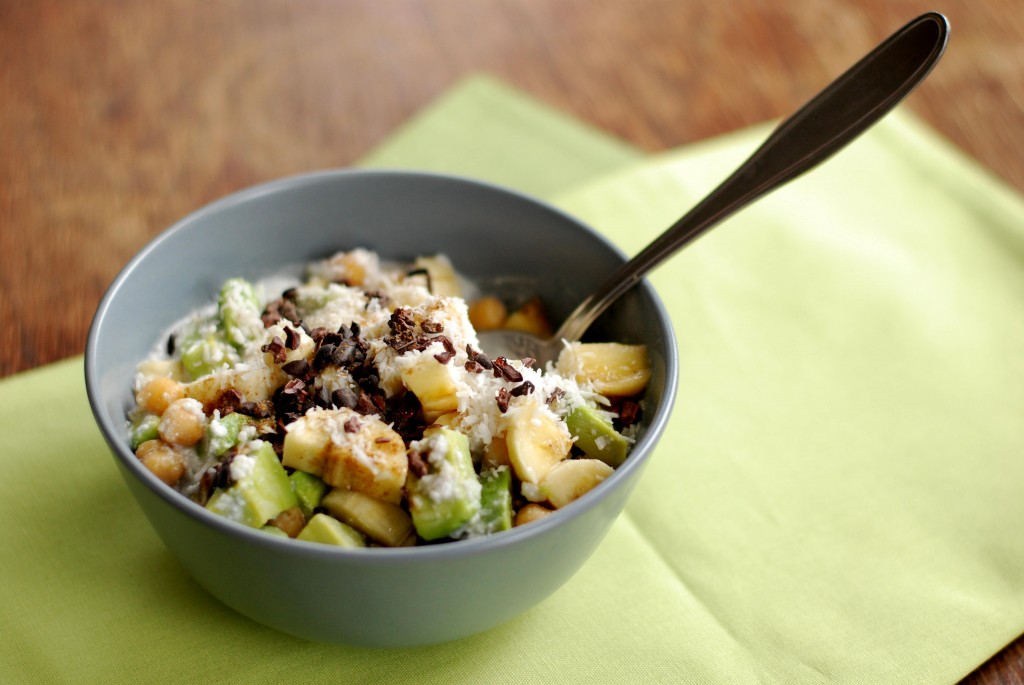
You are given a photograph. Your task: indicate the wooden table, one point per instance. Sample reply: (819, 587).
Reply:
(116, 118)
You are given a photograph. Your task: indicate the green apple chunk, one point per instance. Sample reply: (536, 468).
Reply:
(238, 306)
(448, 495)
(330, 531)
(145, 427)
(260, 491)
(202, 355)
(496, 500)
(222, 433)
(597, 438)
(309, 489)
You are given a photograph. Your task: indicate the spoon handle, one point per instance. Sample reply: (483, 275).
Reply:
(842, 111)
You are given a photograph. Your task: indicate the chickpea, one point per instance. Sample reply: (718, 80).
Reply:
(156, 395)
(530, 513)
(354, 266)
(487, 314)
(532, 318)
(183, 423)
(291, 521)
(166, 462)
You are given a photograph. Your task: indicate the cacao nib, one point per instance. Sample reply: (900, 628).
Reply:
(279, 309)
(276, 348)
(407, 417)
(367, 404)
(405, 336)
(228, 402)
(344, 397)
(449, 349)
(299, 369)
(292, 338)
(324, 356)
(502, 369)
(291, 401)
(343, 353)
(525, 389)
(479, 357)
(403, 330)
(417, 464)
(555, 395)
(503, 399)
(257, 410)
(294, 386)
(628, 413)
(221, 476)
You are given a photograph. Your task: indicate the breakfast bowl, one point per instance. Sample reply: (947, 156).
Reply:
(373, 596)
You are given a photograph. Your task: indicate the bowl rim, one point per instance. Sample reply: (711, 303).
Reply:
(642, 449)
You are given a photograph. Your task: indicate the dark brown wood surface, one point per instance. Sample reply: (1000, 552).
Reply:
(117, 118)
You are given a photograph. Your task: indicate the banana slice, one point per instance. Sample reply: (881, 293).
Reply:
(433, 383)
(611, 369)
(383, 522)
(573, 478)
(304, 350)
(254, 381)
(348, 450)
(536, 441)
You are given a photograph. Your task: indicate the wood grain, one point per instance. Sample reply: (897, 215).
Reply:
(117, 118)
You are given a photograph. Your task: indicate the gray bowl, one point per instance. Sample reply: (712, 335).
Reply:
(371, 597)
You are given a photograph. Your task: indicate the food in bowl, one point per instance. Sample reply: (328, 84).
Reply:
(357, 409)
(362, 596)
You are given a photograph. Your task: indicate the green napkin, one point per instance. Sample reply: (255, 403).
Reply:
(837, 498)
(484, 129)
(839, 494)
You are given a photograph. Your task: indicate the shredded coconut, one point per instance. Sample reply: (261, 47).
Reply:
(242, 467)
(218, 429)
(353, 350)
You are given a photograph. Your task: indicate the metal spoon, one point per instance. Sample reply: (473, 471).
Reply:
(842, 111)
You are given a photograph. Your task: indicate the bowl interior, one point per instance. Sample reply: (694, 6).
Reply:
(492, 236)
